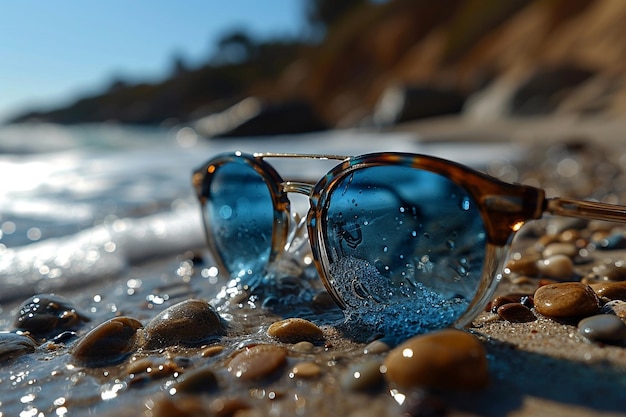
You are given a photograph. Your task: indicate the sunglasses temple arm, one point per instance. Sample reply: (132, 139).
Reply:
(590, 210)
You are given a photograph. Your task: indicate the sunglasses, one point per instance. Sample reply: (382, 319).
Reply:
(386, 229)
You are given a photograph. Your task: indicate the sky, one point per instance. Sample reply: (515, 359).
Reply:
(52, 52)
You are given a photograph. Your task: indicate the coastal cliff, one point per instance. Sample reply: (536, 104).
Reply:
(486, 58)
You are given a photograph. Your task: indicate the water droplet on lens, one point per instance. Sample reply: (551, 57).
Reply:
(226, 212)
(465, 204)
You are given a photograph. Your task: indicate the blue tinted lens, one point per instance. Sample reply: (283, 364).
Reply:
(400, 234)
(240, 215)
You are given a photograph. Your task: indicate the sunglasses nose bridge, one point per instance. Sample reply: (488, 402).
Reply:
(297, 187)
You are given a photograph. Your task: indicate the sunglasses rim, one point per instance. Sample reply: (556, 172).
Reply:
(524, 203)
(280, 201)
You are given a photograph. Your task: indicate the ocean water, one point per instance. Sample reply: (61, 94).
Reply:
(82, 203)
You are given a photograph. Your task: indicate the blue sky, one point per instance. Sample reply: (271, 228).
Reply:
(53, 51)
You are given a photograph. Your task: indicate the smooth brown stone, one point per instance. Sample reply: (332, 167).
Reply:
(570, 236)
(496, 303)
(188, 323)
(257, 362)
(303, 347)
(107, 344)
(559, 248)
(516, 313)
(139, 366)
(610, 290)
(526, 265)
(566, 300)
(501, 300)
(13, 345)
(212, 351)
(196, 382)
(558, 267)
(178, 406)
(445, 359)
(522, 280)
(306, 370)
(377, 346)
(295, 330)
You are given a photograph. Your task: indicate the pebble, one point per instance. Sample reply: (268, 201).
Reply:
(303, 347)
(257, 362)
(559, 248)
(190, 406)
(178, 406)
(610, 290)
(559, 225)
(377, 346)
(13, 345)
(524, 265)
(212, 351)
(545, 240)
(43, 314)
(107, 344)
(227, 407)
(306, 370)
(189, 323)
(566, 300)
(138, 366)
(496, 303)
(197, 381)
(615, 307)
(571, 236)
(295, 330)
(362, 376)
(521, 280)
(445, 359)
(608, 272)
(558, 267)
(613, 242)
(323, 302)
(516, 313)
(603, 328)
(145, 370)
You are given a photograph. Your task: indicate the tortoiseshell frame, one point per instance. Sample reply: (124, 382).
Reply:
(504, 207)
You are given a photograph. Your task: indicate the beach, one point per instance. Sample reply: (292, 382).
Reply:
(147, 254)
